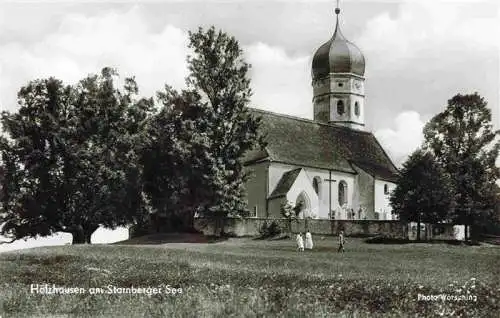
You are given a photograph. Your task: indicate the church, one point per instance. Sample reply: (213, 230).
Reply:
(331, 165)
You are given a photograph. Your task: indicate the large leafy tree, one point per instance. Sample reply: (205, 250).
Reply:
(423, 192)
(176, 141)
(205, 130)
(71, 158)
(464, 143)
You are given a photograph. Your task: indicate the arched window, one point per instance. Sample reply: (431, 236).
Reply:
(317, 186)
(305, 204)
(342, 193)
(386, 189)
(340, 107)
(356, 108)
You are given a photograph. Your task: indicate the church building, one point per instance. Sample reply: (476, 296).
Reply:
(332, 165)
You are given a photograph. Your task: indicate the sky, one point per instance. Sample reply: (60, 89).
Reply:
(418, 53)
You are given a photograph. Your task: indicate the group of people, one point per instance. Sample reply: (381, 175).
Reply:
(300, 242)
(309, 242)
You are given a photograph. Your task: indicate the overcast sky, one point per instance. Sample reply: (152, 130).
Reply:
(418, 53)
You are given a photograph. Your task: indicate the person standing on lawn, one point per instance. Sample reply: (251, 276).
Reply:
(341, 242)
(300, 243)
(309, 241)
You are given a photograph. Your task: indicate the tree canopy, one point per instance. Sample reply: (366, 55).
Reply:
(464, 143)
(423, 192)
(77, 157)
(70, 157)
(203, 131)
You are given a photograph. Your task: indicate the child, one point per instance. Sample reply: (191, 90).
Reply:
(309, 241)
(300, 243)
(341, 242)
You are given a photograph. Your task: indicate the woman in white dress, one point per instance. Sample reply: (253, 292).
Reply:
(309, 241)
(300, 243)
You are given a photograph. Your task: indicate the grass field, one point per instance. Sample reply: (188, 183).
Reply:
(251, 278)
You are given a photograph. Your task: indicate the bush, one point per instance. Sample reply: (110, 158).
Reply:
(263, 229)
(274, 229)
(382, 239)
(267, 230)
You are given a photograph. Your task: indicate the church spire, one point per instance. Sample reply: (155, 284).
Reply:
(338, 69)
(337, 24)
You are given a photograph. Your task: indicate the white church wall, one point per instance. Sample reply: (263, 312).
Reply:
(364, 197)
(321, 207)
(304, 185)
(324, 202)
(356, 197)
(349, 179)
(382, 204)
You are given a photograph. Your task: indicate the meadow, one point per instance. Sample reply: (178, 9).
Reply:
(253, 278)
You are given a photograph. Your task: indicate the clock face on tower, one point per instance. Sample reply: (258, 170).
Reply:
(357, 84)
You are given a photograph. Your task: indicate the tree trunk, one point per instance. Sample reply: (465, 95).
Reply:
(78, 235)
(221, 224)
(216, 224)
(188, 225)
(83, 234)
(418, 227)
(89, 231)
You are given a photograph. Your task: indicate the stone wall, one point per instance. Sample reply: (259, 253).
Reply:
(250, 227)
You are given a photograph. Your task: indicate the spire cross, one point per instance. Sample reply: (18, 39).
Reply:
(337, 11)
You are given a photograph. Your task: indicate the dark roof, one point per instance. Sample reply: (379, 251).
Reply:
(285, 183)
(380, 171)
(304, 142)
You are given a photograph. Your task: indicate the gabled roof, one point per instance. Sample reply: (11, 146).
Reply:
(304, 142)
(285, 183)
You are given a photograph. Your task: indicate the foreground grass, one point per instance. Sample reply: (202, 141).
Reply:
(245, 278)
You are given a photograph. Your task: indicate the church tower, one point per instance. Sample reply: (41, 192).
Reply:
(338, 69)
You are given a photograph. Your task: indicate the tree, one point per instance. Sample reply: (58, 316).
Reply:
(466, 146)
(218, 71)
(70, 158)
(176, 142)
(209, 129)
(423, 192)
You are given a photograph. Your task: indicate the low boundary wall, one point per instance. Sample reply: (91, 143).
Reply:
(251, 226)
(388, 228)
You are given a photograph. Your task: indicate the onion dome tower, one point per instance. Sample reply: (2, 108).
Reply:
(338, 70)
